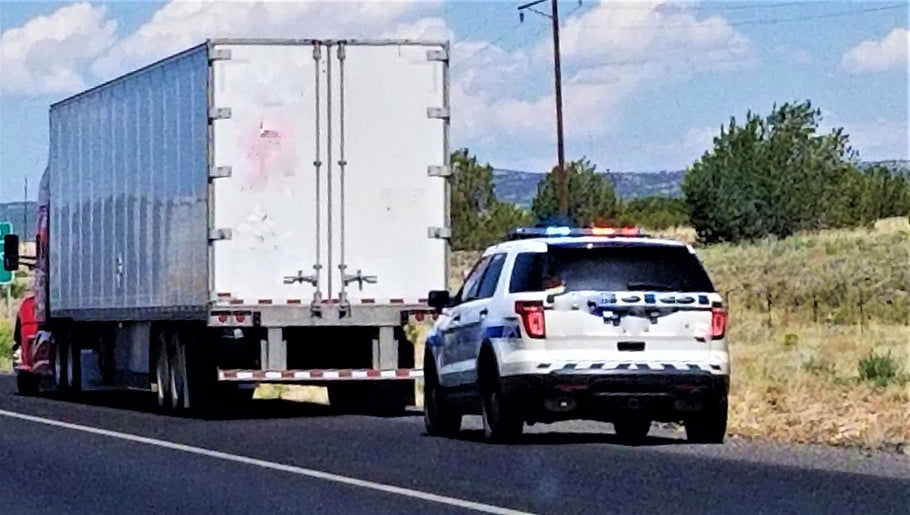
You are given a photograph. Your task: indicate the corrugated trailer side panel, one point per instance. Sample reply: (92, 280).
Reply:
(128, 187)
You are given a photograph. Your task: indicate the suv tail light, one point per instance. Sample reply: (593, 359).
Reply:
(532, 318)
(718, 322)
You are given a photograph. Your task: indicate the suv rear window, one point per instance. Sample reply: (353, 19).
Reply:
(612, 267)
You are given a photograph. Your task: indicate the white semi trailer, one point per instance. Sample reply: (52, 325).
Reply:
(246, 211)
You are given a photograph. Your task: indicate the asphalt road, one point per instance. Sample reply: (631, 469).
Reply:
(109, 453)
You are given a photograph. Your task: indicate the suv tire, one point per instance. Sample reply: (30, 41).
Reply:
(439, 416)
(708, 425)
(501, 413)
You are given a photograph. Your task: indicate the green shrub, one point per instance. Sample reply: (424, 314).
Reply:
(791, 340)
(881, 369)
(6, 344)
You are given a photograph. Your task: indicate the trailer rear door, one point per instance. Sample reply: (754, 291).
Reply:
(329, 148)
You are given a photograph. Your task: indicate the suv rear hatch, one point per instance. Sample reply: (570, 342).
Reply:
(621, 300)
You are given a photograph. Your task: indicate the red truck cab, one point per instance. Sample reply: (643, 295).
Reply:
(26, 329)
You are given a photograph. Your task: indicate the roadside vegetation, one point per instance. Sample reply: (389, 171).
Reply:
(6, 345)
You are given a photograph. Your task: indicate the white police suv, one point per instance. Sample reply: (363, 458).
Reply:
(561, 323)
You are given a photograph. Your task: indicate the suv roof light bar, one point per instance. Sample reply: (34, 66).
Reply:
(557, 231)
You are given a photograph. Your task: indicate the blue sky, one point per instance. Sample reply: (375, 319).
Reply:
(646, 84)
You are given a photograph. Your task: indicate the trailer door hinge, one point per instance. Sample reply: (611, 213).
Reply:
(437, 55)
(438, 113)
(220, 54)
(220, 113)
(220, 172)
(439, 171)
(219, 234)
(441, 233)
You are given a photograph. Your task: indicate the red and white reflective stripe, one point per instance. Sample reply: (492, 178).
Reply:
(318, 375)
(225, 298)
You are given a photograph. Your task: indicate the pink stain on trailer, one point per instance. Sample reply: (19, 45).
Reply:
(268, 152)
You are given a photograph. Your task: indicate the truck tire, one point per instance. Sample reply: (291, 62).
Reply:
(162, 372)
(501, 414)
(177, 386)
(27, 384)
(632, 429)
(708, 425)
(439, 416)
(61, 379)
(73, 367)
(203, 395)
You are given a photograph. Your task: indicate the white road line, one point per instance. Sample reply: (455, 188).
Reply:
(318, 474)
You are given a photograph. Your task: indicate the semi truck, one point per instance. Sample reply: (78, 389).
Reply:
(245, 212)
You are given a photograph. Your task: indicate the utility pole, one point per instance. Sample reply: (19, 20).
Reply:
(561, 178)
(25, 231)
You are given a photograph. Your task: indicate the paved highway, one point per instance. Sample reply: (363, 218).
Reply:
(109, 453)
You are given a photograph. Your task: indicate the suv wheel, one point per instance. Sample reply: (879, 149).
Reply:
(632, 429)
(708, 425)
(440, 417)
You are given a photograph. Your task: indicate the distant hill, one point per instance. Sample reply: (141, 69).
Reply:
(20, 213)
(520, 187)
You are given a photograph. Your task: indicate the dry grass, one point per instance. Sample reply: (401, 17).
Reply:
(800, 383)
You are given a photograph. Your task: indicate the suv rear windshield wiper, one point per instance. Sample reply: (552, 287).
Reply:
(650, 286)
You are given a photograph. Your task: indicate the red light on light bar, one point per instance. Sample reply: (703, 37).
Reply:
(630, 231)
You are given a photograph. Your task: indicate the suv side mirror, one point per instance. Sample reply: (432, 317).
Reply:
(438, 299)
(10, 252)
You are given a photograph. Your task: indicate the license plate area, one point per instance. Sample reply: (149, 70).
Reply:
(630, 346)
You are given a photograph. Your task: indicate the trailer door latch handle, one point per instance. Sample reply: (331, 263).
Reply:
(359, 278)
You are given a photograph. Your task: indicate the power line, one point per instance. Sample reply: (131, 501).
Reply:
(771, 21)
(725, 6)
(508, 32)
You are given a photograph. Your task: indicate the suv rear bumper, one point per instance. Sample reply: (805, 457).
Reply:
(662, 396)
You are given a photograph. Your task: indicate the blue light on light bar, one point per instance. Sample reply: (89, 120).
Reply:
(559, 231)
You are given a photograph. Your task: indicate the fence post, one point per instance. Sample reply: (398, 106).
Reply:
(862, 316)
(814, 308)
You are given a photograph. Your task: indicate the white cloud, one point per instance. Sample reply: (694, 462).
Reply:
(503, 99)
(44, 56)
(878, 56)
(180, 24)
(656, 32)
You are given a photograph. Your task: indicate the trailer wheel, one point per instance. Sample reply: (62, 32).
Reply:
(61, 380)
(27, 384)
(202, 395)
(178, 397)
(73, 366)
(162, 372)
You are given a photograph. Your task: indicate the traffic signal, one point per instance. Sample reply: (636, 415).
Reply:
(6, 276)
